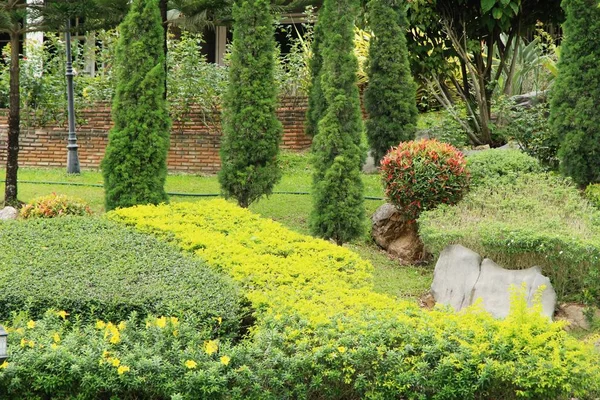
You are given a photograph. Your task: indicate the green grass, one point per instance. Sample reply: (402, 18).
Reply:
(291, 210)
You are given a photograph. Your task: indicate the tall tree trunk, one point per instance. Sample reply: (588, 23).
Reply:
(14, 122)
(163, 16)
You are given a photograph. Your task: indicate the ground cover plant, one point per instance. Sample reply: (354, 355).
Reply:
(98, 269)
(537, 219)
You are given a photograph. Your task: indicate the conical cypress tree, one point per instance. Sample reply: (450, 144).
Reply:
(316, 99)
(574, 113)
(251, 131)
(134, 166)
(390, 97)
(338, 211)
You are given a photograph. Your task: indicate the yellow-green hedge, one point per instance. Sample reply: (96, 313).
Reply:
(279, 269)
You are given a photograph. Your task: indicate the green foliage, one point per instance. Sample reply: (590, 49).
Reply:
(252, 133)
(162, 358)
(576, 94)
(420, 175)
(338, 210)
(443, 127)
(322, 333)
(498, 166)
(193, 84)
(532, 131)
(135, 162)
(54, 205)
(99, 269)
(592, 193)
(538, 220)
(316, 97)
(391, 93)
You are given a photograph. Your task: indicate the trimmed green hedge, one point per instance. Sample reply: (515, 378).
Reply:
(539, 219)
(498, 166)
(100, 269)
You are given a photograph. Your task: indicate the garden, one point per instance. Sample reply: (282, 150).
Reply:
(266, 280)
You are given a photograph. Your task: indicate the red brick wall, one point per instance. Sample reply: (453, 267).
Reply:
(194, 143)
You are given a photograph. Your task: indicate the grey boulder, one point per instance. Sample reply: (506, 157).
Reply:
(461, 277)
(8, 213)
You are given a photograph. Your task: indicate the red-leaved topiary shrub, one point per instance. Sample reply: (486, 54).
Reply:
(419, 175)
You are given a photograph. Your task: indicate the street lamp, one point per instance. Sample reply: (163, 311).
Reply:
(3, 338)
(72, 156)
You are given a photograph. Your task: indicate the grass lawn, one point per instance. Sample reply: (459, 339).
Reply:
(291, 210)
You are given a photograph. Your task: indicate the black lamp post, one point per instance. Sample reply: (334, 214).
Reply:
(72, 156)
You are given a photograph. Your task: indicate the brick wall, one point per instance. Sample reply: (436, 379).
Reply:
(194, 141)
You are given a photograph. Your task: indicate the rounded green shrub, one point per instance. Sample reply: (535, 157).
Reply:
(419, 175)
(497, 165)
(55, 205)
(99, 269)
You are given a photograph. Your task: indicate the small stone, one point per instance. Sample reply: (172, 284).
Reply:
(8, 213)
(574, 314)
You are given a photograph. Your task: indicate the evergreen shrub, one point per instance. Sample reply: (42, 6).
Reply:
(390, 95)
(251, 131)
(576, 93)
(420, 175)
(99, 269)
(500, 166)
(536, 220)
(135, 163)
(338, 210)
(54, 205)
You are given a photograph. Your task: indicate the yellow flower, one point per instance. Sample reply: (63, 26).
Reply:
(122, 369)
(63, 314)
(23, 342)
(121, 325)
(100, 324)
(4, 365)
(219, 320)
(161, 322)
(211, 347)
(116, 337)
(176, 332)
(105, 354)
(56, 338)
(31, 324)
(225, 360)
(174, 321)
(115, 362)
(190, 364)
(31, 343)
(54, 346)
(342, 349)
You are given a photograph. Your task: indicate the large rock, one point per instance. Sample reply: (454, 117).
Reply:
(8, 213)
(455, 275)
(397, 236)
(461, 278)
